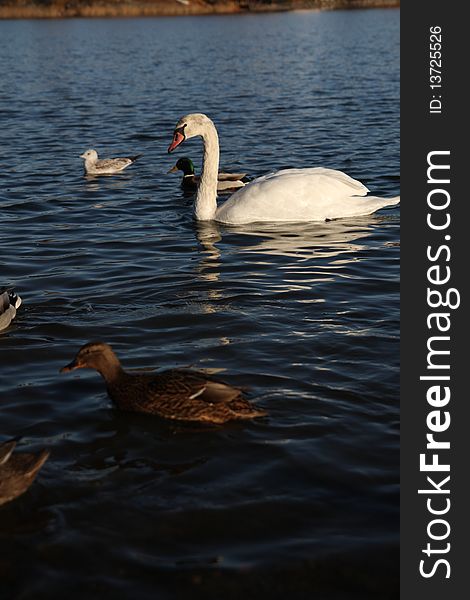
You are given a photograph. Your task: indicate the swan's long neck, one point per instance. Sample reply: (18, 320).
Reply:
(205, 205)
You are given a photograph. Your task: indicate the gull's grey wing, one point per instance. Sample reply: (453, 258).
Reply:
(112, 163)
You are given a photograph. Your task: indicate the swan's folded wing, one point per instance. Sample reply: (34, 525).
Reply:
(331, 179)
(294, 195)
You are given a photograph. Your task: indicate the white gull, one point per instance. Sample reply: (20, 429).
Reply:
(106, 166)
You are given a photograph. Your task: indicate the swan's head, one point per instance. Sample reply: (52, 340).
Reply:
(90, 155)
(190, 126)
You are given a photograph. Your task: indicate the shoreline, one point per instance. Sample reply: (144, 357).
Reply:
(60, 9)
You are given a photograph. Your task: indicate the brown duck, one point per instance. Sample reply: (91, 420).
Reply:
(179, 394)
(17, 472)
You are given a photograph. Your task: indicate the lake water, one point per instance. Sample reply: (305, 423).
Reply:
(301, 504)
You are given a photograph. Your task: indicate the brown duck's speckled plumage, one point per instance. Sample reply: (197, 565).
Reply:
(179, 394)
(18, 471)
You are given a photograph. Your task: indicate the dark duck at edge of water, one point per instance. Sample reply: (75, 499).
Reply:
(18, 471)
(9, 303)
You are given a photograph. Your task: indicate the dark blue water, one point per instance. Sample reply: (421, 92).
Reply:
(301, 504)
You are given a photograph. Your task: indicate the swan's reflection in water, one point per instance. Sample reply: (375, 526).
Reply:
(299, 241)
(288, 282)
(305, 242)
(208, 234)
(317, 244)
(274, 260)
(209, 266)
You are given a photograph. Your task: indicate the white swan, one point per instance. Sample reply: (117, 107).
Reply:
(295, 195)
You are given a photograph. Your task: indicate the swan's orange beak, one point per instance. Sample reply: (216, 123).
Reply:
(178, 138)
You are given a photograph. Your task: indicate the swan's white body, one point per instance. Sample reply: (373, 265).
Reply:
(290, 195)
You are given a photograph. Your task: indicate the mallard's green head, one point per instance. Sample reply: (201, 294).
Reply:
(185, 165)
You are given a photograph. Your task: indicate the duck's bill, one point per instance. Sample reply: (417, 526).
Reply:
(173, 169)
(82, 156)
(70, 367)
(178, 138)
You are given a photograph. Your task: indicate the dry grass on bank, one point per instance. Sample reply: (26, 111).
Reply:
(31, 9)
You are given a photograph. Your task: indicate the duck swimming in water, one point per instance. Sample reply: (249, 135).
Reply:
(226, 182)
(17, 472)
(178, 394)
(9, 303)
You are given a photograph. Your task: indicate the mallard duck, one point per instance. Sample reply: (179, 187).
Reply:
(179, 394)
(226, 182)
(9, 303)
(17, 472)
(289, 195)
(106, 166)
